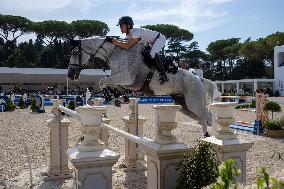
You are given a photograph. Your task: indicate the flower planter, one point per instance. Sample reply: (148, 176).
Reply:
(10, 109)
(274, 133)
(34, 110)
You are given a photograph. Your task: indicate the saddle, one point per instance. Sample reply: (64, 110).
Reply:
(168, 62)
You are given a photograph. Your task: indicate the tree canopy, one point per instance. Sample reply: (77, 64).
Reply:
(224, 59)
(12, 27)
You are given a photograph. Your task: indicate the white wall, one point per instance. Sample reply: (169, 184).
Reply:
(279, 69)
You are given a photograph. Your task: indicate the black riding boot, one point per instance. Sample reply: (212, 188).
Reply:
(160, 68)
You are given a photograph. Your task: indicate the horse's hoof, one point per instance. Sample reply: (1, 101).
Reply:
(117, 103)
(126, 99)
(206, 135)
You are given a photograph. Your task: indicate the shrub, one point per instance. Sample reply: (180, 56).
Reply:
(228, 171)
(272, 106)
(198, 168)
(244, 105)
(71, 105)
(227, 179)
(22, 104)
(253, 104)
(33, 104)
(272, 124)
(10, 106)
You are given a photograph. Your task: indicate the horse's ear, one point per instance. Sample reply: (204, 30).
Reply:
(74, 43)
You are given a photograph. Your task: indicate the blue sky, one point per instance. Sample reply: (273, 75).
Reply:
(208, 20)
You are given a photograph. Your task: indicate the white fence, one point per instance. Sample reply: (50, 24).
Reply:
(93, 160)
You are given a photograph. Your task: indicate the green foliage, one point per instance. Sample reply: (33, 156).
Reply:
(243, 105)
(71, 105)
(171, 31)
(264, 181)
(198, 168)
(177, 37)
(22, 104)
(223, 52)
(13, 26)
(51, 29)
(10, 106)
(88, 28)
(253, 103)
(33, 104)
(246, 105)
(272, 124)
(228, 172)
(272, 106)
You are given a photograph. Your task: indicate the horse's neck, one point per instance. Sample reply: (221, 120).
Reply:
(126, 56)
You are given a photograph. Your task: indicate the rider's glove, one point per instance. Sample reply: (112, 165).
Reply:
(109, 39)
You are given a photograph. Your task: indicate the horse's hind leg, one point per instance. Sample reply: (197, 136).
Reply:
(197, 104)
(178, 99)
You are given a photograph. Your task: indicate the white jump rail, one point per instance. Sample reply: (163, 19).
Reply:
(139, 140)
(69, 111)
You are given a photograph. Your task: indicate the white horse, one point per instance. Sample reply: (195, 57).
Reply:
(129, 71)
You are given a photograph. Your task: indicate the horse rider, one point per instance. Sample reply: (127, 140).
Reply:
(142, 35)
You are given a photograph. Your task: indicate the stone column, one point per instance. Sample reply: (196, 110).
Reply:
(104, 132)
(93, 162)
(58, 140)
(133, 125)
(226, 143)
(254, 85)
(238, 88)
(165, 152)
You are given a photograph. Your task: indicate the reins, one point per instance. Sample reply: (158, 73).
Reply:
(82, 66)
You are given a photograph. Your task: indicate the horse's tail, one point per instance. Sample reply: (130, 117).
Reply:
(211, 91)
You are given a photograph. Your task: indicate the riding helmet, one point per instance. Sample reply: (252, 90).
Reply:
(125, 20)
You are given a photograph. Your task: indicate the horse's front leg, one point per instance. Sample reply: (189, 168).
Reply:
(122, 79)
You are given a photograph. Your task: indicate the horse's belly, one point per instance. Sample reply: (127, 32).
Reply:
(173, 86)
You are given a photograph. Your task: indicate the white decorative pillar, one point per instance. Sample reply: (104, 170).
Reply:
(13, 97)
(238, 88)
(254, 85)
(93, 162)
(226, 143)
(25, 97)
(58, 141)
(55, 104)
(133, 125)
(165, 152)
(88, 95)
(104, 132)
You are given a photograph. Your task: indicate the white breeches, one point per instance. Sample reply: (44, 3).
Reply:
(158, 45)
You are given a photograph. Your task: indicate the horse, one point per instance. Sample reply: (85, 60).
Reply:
(129, 71)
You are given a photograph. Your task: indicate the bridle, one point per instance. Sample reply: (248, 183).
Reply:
(80, 66)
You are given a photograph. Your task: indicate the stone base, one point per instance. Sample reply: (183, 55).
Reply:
(161, 164)
(93, 168)
(232, 149)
